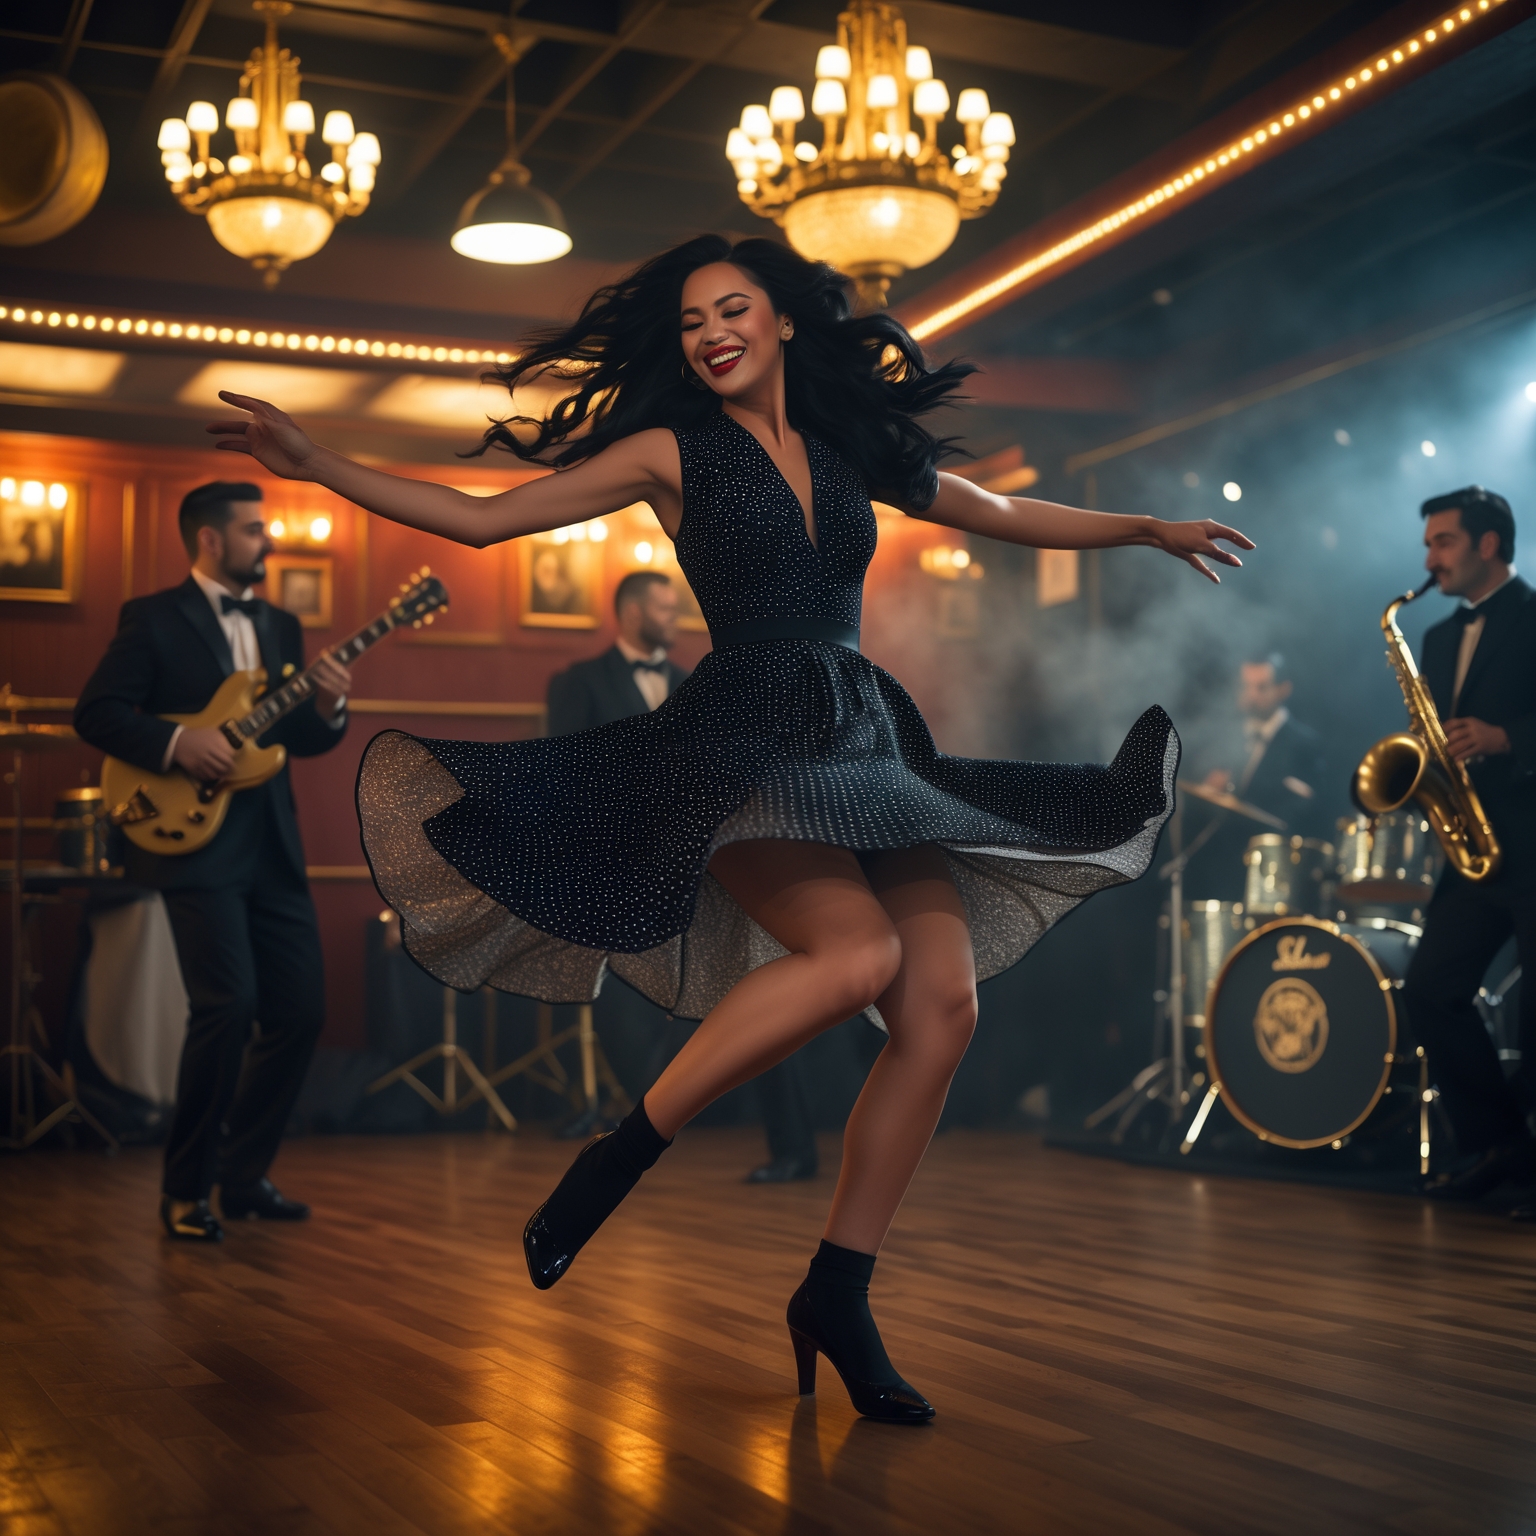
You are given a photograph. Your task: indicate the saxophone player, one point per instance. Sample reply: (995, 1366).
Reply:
(1480, 666)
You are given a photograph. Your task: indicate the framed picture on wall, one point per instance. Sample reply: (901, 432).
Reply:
(560, 580)
(302, 585)
(41, 522)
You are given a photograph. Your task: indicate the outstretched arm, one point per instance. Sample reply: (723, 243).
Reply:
(644, 467)
(1047, 525)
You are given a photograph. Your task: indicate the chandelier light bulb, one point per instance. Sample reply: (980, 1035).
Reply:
(882, 91)
(298, 117)
(786, 105)
(806, 152)
(203, 117)
(364, 150)
(337, 128)
(833, 63)
(829, 98)
(333, 172)
(177, 167)
(919, 64)
(930, 99)
(997, 129)
(974, 106)
(242, 113)
(756, 123)
(174, 135)
(360, 178)
(738, 146)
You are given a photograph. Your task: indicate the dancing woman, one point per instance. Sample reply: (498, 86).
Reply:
(780, 844)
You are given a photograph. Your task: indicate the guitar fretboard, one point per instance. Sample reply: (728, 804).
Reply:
(292, 694)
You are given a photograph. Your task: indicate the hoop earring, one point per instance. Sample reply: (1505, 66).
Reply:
(692, 379)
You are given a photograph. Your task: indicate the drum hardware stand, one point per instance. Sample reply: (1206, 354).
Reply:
(453, 1056)
(22, 1058)
(541, 1065)
(1164, 1080)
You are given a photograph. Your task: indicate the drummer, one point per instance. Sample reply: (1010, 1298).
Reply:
(1282, 773)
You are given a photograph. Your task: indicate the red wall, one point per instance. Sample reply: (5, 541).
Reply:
(49, 650)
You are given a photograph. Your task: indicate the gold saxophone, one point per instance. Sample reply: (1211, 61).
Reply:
(1416, 764)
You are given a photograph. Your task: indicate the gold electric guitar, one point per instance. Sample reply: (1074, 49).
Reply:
(175, 813)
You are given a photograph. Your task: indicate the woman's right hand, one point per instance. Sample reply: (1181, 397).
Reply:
(271, 437)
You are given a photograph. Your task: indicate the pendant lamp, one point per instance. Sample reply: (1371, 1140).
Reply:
(509, 220)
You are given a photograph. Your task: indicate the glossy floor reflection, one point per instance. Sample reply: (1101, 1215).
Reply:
(1111, 1349)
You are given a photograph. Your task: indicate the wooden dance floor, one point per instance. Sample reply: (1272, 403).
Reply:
(1111, 1349)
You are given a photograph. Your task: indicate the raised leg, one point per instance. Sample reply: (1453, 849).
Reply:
(843, 953)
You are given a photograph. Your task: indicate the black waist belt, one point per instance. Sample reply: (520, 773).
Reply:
(755, 631)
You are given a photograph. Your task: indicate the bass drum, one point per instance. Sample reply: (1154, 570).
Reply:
(1302, 1029)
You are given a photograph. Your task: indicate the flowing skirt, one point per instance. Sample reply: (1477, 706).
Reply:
(538, 866)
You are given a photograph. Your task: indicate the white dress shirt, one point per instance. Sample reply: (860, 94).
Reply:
(652, 685)
(1470, 635)
(244, 648)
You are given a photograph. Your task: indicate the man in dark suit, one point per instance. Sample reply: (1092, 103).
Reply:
(1480, 665)
(240, 909)
(631, 677)
(1283, 772)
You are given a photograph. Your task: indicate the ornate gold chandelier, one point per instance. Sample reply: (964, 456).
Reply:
(877, 198)
(266, 204)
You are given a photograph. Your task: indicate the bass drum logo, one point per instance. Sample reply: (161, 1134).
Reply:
(1291, 1025)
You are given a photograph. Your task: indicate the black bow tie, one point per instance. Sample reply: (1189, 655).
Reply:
(1465, 615)
(649, 666)
(249, 606)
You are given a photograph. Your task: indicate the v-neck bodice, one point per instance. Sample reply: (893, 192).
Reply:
(743, 543)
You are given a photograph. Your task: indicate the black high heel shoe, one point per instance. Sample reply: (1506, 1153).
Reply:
(891, 1402)
(605, 1170)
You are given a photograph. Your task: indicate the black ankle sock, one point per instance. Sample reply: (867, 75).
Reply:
(604, 1172)
(837, 1286)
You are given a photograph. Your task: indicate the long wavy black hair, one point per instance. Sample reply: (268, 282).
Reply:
(856, 382)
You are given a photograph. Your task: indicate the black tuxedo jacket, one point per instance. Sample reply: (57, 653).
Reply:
(598, 692)
(1296, 755)
(169, 657)
(1500, 688)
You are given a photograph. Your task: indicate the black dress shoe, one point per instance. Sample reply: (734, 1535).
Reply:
(1515, 1160)
(198, 1225)
(260, 1202)
(783, 1170)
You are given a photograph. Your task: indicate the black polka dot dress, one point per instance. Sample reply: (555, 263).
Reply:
(538, 866)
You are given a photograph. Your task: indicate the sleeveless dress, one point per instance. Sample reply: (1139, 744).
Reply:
(538, 866)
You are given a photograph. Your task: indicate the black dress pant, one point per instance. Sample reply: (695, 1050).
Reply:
(250, 959)
(1464, 928)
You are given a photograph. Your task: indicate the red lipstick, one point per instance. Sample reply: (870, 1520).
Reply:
(721, 360)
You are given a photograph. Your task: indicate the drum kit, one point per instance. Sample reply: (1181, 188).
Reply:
(1284, 1005)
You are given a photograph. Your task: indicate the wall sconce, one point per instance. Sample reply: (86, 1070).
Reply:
(300, 530)
(951, 564)
(577, 533)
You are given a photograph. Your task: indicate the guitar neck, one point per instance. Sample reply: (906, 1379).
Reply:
(292, 694)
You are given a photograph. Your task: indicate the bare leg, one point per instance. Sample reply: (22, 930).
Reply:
(843, 952)
(930, 1010)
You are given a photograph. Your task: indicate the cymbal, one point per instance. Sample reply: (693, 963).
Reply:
(1231, 803)
(36, 738)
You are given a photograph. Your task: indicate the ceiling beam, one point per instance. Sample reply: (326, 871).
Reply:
(183, 35)
(74, 30)
(680, 78)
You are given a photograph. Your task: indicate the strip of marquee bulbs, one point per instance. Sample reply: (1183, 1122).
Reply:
(289, 341)
(1255, 139)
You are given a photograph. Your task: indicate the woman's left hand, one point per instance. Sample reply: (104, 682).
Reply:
(1189, 541)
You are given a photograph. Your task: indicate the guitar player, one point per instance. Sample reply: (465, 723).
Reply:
(240, 909)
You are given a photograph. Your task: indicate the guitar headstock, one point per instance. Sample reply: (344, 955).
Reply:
(419, 599)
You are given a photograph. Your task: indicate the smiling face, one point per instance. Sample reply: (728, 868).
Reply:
(732, 339)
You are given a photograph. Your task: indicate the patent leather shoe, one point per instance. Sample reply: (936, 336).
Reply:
(195, 1225)
(1511, 1160)
(783, 1170)
(260, 1202)
(547, 1257)
(891, 1402)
